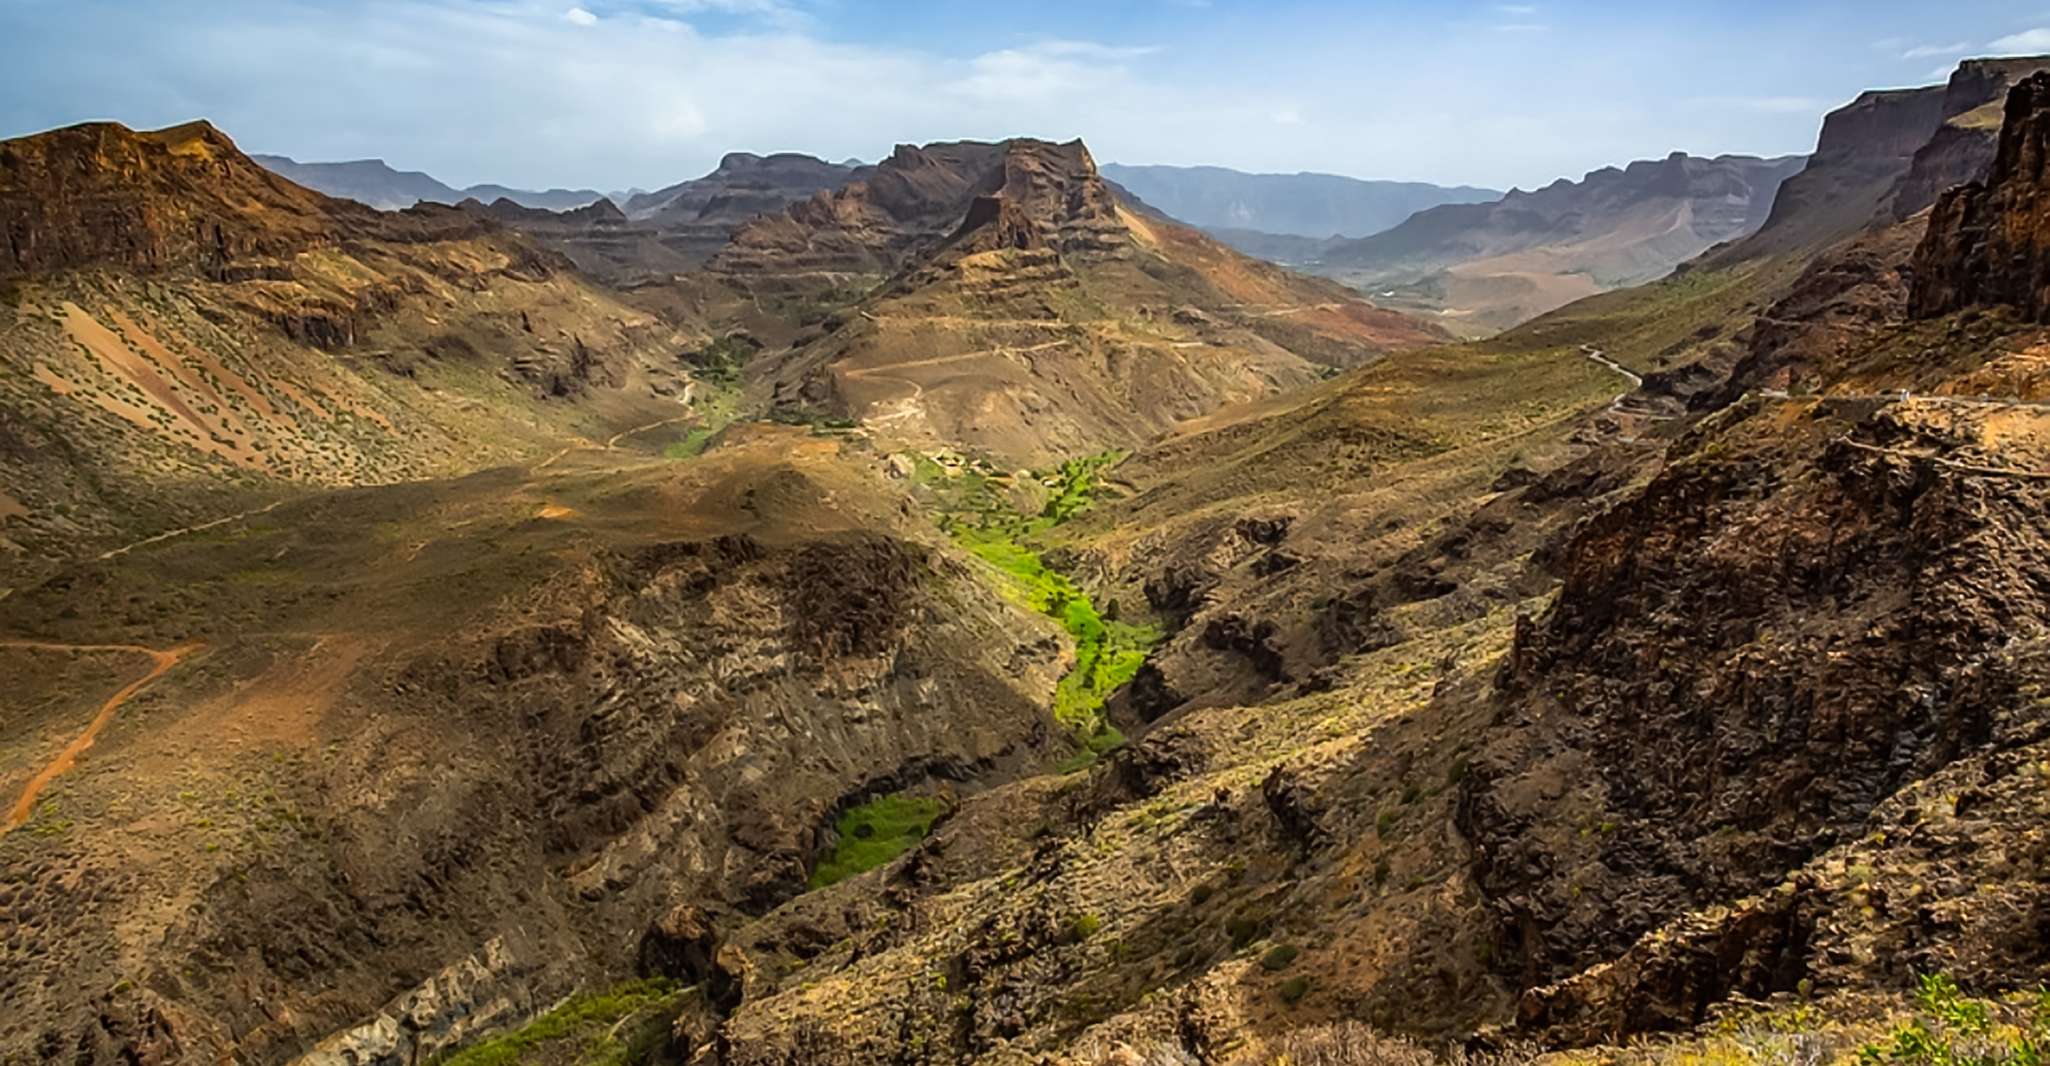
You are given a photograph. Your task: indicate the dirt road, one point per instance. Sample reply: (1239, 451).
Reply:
(161, 663)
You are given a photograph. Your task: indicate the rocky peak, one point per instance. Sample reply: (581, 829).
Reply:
(1989, 242)
(921, 197)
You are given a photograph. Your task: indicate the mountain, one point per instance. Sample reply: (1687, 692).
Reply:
(650, 238)
(419, 650)
(1436, 629)
(1491, 265)
(1011, 304)
(373, 182)
(189, 332)
(1302, 205)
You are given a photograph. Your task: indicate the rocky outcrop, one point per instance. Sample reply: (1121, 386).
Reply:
(1989, 242)
(1826, 615)
(1963, 147)
(914, 200)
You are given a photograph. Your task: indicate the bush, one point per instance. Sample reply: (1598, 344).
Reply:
(1950, 1028)
(1280, 956)
(1293, 990)
(1083, 927)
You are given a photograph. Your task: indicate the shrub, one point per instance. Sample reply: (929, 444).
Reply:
(1950, 1028)
(1280, 956)
(1293, 990)
(1083, 927)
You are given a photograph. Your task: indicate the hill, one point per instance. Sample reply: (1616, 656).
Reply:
(1003, 299)
(191, 335)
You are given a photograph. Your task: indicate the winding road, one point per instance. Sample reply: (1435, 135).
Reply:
(161, 663)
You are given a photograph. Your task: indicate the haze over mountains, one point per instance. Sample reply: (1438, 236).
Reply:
(947, 610)
(376, 183)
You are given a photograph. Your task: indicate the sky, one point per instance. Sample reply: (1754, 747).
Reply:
(612, 94)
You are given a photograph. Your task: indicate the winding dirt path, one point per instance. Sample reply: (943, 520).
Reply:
(172, 533)
(161, 663)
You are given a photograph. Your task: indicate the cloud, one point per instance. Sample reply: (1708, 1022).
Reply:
(1930, 51)
(649, 92)
(1049, 70)
(1524, 10)
(2027, 42)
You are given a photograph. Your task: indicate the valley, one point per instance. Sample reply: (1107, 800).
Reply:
(946, 610)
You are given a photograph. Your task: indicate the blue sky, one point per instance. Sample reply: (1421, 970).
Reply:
(612, 93)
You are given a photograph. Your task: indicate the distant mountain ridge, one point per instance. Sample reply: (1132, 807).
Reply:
(1298, 205)
(382, 186)
(1493, 265)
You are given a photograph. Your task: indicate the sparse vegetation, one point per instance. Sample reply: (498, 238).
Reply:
(874, 833)
(1949, 1028)
(592, 1021)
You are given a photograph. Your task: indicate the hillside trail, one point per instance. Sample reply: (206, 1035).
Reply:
(161, 663)
(612, 442)
(170, 534)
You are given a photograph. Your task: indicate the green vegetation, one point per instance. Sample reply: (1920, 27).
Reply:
(691, 446)
(874, 833)
(1108, 653)
(1083, 927)
(1950, 1028)
(1280, 957)
(593, 1021)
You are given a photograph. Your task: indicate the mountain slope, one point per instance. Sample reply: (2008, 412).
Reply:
(1493, 265)
(1015, 306)
(1301, 205)
(376, 183)
(189, 335)
(1437, 629)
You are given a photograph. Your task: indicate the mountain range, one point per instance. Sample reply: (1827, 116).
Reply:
(1225, 201)
(948, 611)
(377, 184)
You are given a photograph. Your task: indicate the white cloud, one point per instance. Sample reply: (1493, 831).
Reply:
(580, 17)
(2025, 42)
(1049, 70)
(1930, 51)
(648, 92)
(1517, 9)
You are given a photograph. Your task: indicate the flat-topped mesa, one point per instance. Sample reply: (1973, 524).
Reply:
(183, 198)
(1988, 242)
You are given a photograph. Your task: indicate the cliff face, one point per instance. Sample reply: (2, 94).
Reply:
(1824, 601)
(1989, 242)
(915, 199)
(1963, 147)
(182, 198)
(1866, 148)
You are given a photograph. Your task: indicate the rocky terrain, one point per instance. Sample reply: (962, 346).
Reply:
(1484, 267)
(188, 335)
(1011, 303)
(972, 618)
